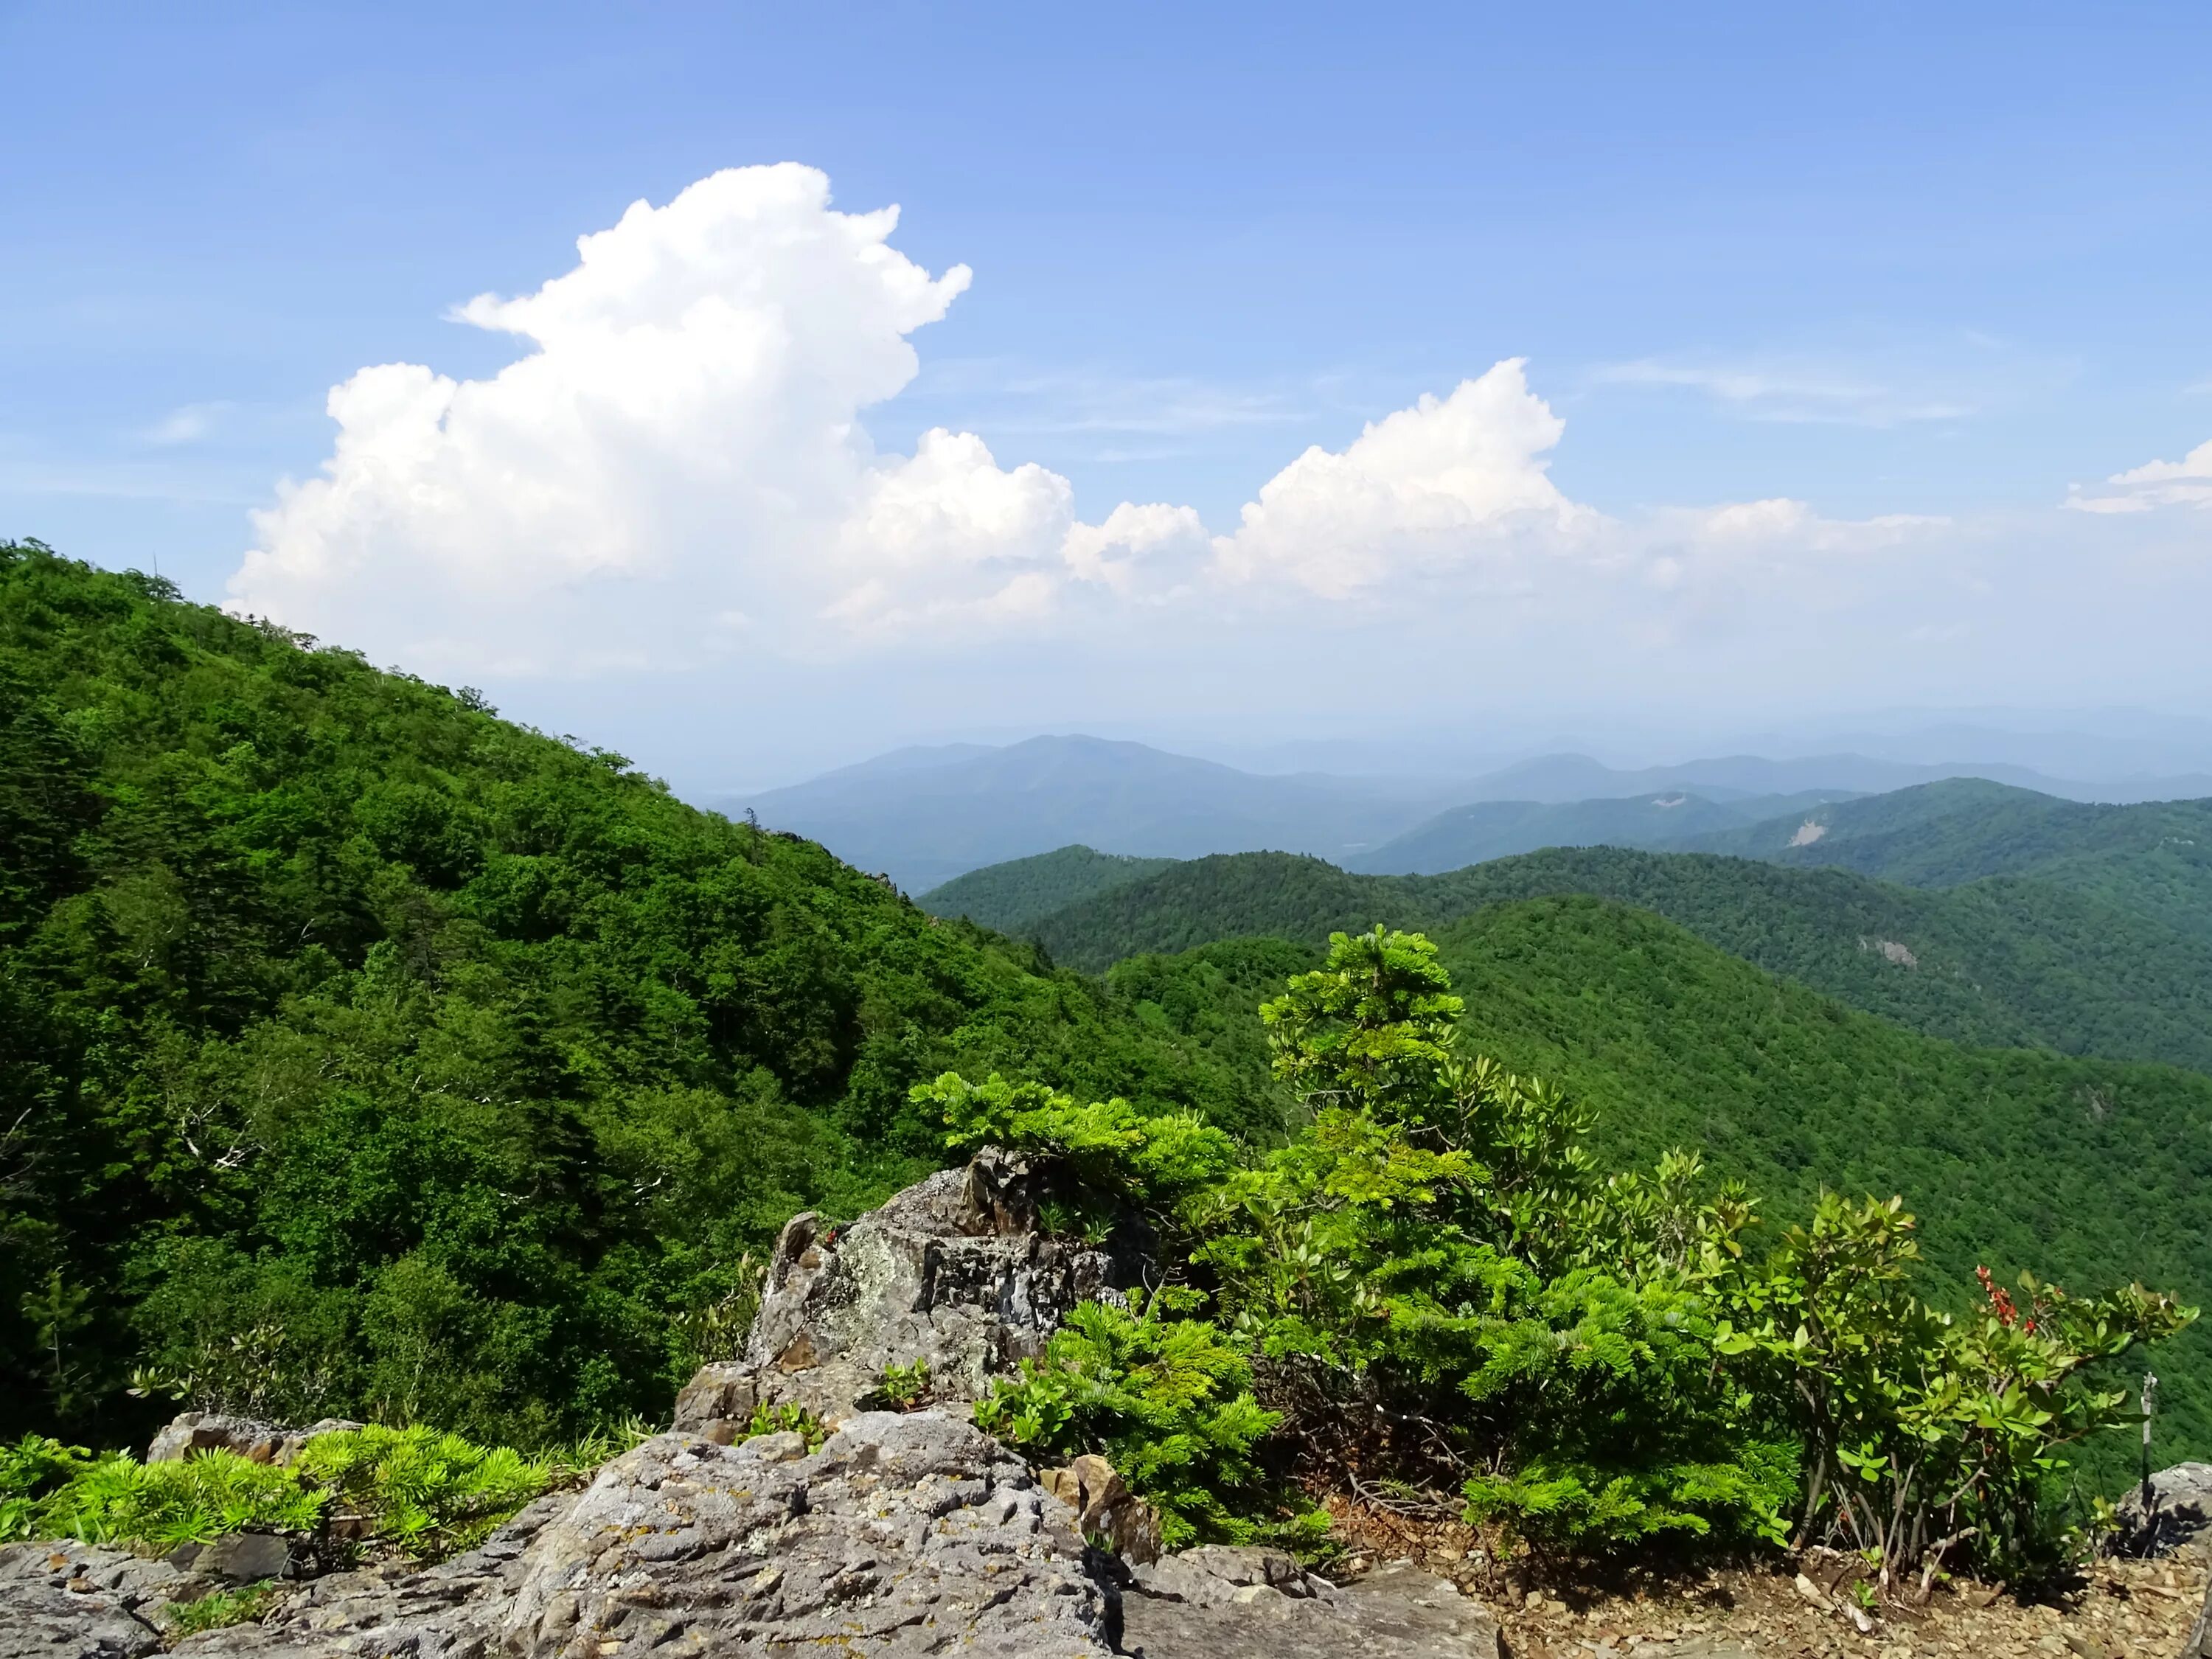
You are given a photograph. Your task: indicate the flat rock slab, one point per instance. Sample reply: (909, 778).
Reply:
(69, 1601)
(1256, 1604)
(903, 1535)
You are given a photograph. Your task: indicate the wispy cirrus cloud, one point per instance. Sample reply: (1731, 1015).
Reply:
(1079, 402)
(187, 425)
(1801, 394)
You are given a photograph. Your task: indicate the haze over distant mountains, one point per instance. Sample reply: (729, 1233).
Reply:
(923, 816)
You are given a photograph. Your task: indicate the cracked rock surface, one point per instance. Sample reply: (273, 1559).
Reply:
(71, 1600)
(951, 1271)
(903, 1535)
(1223, 1603)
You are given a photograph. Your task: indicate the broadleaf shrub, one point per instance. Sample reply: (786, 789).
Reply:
(1432, 1294)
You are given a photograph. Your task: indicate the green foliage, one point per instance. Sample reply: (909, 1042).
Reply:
(1926, 1431)
(2007, 961)
(425, 1492)
(787, 1418)
(1106, 1147)
(221, 1609)
(2082, 1170)
(1009, 897)
(30, 1471)
(362, 1053)
(2154, 859)
(1168, 1399)
(158, 1506)
(1602, 1361)
(901, 1388)
(418, 1490)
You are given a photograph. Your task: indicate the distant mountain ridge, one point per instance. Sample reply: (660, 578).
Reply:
(925, 816)
(2154, 859)
(1489, 830)
(2018, 920)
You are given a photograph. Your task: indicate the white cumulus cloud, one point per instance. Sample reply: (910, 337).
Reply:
(2184, 483)
(1445, 486)
(677, 468)
(681, 449)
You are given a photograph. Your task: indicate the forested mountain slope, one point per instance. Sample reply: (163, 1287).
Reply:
(2092, 1172)
(362, 1052)
(2155, 858)
(1009, 897)
(1492, 829)
(1999, 964)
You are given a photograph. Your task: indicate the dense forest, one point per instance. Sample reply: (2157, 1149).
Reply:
(2001, 962)
(362, 1052)
(2090, 1171)
(1012, 896)
(2154, 859)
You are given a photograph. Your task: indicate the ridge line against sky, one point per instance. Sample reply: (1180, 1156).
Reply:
(1686, 370)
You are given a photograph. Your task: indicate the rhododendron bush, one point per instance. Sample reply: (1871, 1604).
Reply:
(1446, 1307)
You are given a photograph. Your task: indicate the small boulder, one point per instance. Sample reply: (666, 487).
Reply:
(950, 1271)
(244, 1558)
(2178, 1507)
(191, 1434)
(1107, 1513)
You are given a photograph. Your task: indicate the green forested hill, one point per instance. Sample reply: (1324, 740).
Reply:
(1500, 828)
(1997, 963)
(361, 1052)
(1010, 897)
(2092, 1172)
(2155, 858)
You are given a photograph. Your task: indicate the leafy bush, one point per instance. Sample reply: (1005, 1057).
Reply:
(417, 1490)
(118, 1500)
(428, 1492)
(901, 1388)
(1433, 1287)
(1168, 1399)
(30, 1470)
(787, 1418)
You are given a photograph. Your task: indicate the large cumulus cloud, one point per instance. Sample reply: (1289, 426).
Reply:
(677, 469)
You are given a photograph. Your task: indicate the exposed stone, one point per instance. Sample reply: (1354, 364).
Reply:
(243, 1557)
(951, 1271)
(395, 1609)
(71, 1600)
(1221, 1603)
(192, 1434)
(1107, 1513)
(904, 1535)
(2179, 1507)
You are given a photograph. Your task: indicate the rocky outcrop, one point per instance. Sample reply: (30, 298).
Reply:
(190, 1434)
(1218, 1603)
(902, 1534)
(2178, 1507)
(69, 1601)
(951, 1273)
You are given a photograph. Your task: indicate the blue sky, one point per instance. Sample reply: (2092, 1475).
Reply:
(1890, 263)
